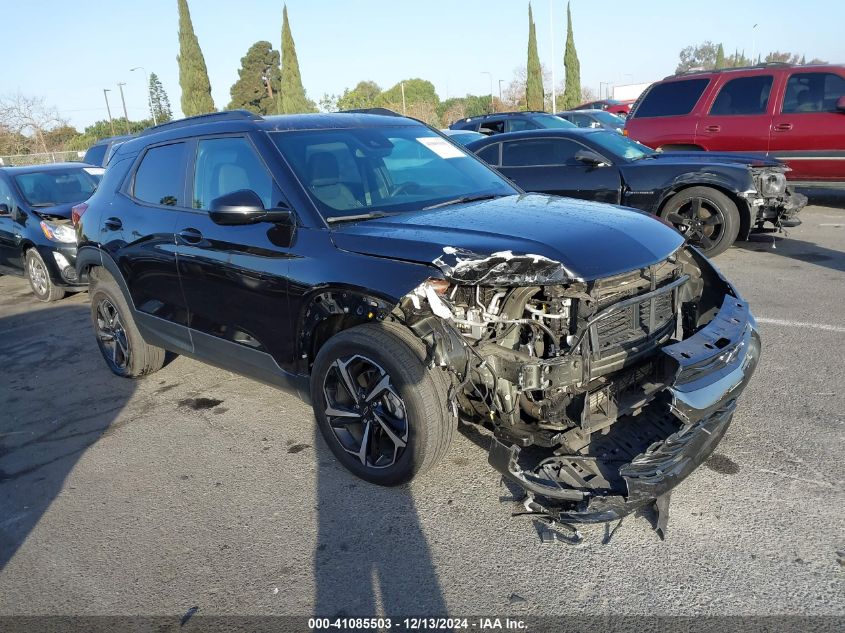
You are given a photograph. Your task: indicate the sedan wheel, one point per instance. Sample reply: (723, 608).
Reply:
(706, 217)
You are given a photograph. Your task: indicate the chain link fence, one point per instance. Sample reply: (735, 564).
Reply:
(40, 159)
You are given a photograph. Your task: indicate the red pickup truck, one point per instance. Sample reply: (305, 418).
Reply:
(790, 112)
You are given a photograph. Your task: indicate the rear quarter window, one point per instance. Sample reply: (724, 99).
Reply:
(673, 98)
(159, 179)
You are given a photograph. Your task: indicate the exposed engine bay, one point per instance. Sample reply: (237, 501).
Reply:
(572, 376)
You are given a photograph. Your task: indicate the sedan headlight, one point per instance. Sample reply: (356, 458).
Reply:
(58, 232)
(772, 184)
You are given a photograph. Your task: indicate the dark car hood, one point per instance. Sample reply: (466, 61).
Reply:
(58, 210)
(584, 240)
(696, 159)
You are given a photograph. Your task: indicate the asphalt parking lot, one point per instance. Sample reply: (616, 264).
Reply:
(194, 487)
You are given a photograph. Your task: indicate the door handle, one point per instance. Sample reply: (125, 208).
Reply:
(714, 128)
(190, 236)
(113, 224)
(783, 127)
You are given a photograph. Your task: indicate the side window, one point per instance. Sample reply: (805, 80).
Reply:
(517, 125)
(539, 152)
(159, 178)
(673, 98)
(490, 154)
(6, 195)
(224, 165)
(813, 92)
(744, 95)
(492, 127)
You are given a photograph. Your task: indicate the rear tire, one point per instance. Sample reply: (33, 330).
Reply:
(706, 217)
(121, 344)
(397, 424)
(39, 278)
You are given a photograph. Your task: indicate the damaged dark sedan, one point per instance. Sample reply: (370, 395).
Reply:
(398, 283)
(712, 199)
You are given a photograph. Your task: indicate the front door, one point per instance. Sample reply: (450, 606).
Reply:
(548, 165)
(235, 277)
(10, 232)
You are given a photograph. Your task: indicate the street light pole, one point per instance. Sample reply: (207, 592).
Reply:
(552, 28)
(149, 92)
(490, 75)
(108, 109)
(500, 90)
(120, 85)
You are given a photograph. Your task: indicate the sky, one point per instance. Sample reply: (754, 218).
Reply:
(71, 51)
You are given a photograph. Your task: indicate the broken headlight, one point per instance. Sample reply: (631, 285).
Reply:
(771, 184)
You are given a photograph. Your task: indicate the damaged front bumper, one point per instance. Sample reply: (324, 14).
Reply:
(782, 212)
(641, 457)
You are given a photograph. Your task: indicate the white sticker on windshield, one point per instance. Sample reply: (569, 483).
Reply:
(441, 147)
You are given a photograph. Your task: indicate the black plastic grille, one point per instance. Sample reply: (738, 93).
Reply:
(633, 324)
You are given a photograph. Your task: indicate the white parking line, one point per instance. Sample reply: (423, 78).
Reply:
(840, 224)
(802, 324)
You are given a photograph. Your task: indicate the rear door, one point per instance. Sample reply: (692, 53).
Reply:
(234, 277)
(808, 132)
(667, 114)
(10, 231)
(739, 116)
(138, 231)
(548, 165)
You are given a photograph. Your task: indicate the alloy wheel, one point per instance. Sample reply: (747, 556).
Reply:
(701, 221)
(365, 412)
(38, 275)
(111, 334)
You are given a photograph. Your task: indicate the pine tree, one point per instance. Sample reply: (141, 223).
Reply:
(159, 102)
(193, 73)
(720, 57)
(292, 98)
(260, 79)
(572, 87)
(534, 80)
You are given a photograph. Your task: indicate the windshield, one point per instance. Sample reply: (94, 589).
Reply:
(609, 119)
(49, 188)
(550, 121)
(620, 146)
(384, 170)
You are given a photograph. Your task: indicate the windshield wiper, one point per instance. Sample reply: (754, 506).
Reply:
(354, 218)
(463, 200)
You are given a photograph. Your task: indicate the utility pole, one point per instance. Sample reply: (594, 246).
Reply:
(754, 45)
(149, 92)
(404, 109)
(125, 113)
(500, 90)
(552, 28)
(106, 92)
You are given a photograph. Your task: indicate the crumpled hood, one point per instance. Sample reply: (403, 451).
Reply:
(564, 238)
(58, 210)
(695, 159)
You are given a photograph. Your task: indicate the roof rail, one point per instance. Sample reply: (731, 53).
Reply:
(381, 111)
(699, 71)
(226, 115)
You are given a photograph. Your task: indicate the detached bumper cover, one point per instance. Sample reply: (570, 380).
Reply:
(712, 369)
(782, 213)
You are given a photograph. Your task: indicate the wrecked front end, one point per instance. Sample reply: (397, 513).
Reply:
(772, 200)
(601, 395)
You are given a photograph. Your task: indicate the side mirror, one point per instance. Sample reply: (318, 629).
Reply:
(840, 104)
(4, 209)
(589, 157)
(245, 207)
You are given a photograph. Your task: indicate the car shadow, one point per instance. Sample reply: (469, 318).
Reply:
(788, 246)
(58, 399)
(371, 555)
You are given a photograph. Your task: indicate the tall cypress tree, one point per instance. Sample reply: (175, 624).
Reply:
(534, 78)
(572, 88)
(292, 98)
(257, 87)
(193, 73)
(159, 103)
(720, 57)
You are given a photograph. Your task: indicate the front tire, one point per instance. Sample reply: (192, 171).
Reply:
(39, 278)
(121, 344)
(706, 217)
(382, 411)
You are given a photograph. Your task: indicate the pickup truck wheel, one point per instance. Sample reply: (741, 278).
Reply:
(121, 344)
(381, 410)
(39, 278)
(705, 216)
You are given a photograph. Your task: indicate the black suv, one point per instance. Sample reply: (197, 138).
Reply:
(511, 122)
(388, 276)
